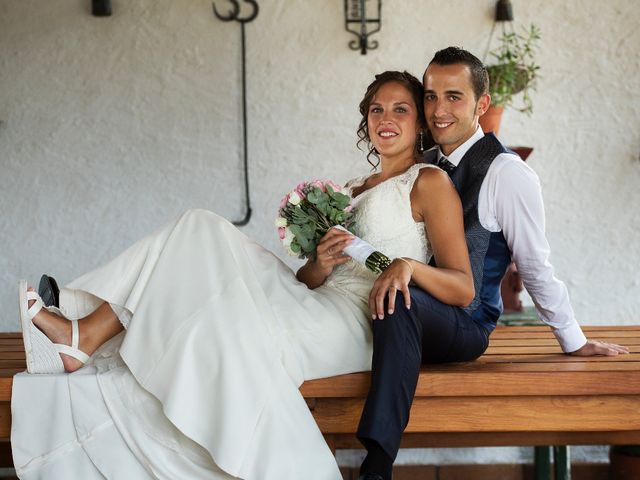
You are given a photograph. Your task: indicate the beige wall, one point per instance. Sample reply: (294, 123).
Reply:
(111, 126)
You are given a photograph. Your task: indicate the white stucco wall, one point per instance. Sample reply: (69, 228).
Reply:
(112, 126)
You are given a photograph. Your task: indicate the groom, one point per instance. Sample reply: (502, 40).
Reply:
(503, 219)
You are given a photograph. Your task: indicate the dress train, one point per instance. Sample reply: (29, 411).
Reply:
(219, 337)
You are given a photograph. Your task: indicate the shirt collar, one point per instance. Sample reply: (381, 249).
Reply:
(459, 152)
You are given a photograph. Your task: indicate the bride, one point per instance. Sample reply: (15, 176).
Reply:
(199, 338)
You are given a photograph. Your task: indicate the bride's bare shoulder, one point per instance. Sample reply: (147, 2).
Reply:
(431, 176)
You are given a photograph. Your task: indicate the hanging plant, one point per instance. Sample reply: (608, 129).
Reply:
(514, 69)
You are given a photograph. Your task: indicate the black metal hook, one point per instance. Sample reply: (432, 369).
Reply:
(234, 14)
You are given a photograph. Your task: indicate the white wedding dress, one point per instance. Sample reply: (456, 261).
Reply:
(204, 381)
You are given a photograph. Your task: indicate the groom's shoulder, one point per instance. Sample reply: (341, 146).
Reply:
(508, 166)
(430, 156)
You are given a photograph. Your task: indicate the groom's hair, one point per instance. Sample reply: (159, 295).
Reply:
(457, 55)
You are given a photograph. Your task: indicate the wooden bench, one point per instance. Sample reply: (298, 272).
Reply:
(522, 391)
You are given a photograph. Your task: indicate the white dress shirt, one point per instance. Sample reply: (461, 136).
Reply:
(510, 201)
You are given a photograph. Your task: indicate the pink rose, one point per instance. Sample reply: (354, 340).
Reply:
(281, 232)
(336, 188)
(284, 201)
(319, 184)
(300, 189)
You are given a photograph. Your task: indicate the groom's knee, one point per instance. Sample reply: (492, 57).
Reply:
(401, 323)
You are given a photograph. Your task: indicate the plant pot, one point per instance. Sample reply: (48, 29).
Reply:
(490, 121)
(624, 462)
(523, 152)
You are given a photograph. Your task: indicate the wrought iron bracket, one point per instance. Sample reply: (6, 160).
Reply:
(355, 13)
(235, 15)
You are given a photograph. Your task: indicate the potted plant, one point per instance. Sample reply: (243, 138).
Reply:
(514, 71)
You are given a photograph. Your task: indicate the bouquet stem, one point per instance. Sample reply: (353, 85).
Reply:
(377, 262)
(362, 252)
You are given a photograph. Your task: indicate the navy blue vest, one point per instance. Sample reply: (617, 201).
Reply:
(488, 251)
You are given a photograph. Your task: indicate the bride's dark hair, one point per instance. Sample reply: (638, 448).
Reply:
(414, 86)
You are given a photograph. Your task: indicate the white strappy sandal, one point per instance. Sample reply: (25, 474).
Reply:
(43, 356)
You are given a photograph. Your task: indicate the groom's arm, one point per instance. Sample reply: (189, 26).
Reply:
(519, 212)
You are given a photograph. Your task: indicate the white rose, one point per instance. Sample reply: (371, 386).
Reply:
(294, 198)
(281, 222)
(288, 237)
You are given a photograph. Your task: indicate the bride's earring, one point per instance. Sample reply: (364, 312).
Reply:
(421, 142)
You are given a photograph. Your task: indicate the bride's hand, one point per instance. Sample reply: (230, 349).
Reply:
(329, 253)
(330, 250)
(396, 277)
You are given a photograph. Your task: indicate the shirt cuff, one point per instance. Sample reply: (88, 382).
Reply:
(570, 338)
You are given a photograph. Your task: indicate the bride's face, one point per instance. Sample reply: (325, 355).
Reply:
(392, 121)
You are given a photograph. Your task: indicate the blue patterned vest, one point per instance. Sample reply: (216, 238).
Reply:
(488, 251)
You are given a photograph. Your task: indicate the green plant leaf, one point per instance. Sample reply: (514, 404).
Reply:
(514, 69)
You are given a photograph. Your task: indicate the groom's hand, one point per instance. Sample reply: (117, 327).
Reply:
(596, 347)
(396, 277)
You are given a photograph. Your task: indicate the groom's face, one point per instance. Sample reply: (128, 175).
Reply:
(450, 106)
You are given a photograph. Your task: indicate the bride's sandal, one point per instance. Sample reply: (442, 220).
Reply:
(43, 356)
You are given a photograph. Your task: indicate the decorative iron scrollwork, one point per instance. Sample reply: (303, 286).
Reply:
(234, 14)
(356, 13)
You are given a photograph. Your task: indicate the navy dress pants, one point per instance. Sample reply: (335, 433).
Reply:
(430, 332)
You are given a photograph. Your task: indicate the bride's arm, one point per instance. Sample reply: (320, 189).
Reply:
(328, 255)
(436, 201)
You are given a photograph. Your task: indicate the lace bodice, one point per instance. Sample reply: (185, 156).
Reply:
(384, 219)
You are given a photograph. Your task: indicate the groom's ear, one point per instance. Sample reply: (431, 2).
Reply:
(482, 105)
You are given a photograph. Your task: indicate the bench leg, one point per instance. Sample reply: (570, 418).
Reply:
(562, 462)
(542, 463)
(331, 442)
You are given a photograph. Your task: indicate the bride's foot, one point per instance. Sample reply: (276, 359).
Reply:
(52, 344)
(42, 354)
(59, 331)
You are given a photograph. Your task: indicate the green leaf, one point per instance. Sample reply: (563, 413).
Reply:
(515, 69)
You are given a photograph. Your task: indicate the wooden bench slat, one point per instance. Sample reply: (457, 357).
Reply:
(11, 335)
(551, 341)
(596, 336)
(475, 384)
(631, 357)
(534, 367)
(491, 414)
(536, 349)
(585, 328)
(11, 355)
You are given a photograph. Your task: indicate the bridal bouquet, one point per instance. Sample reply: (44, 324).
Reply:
(310, 210)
